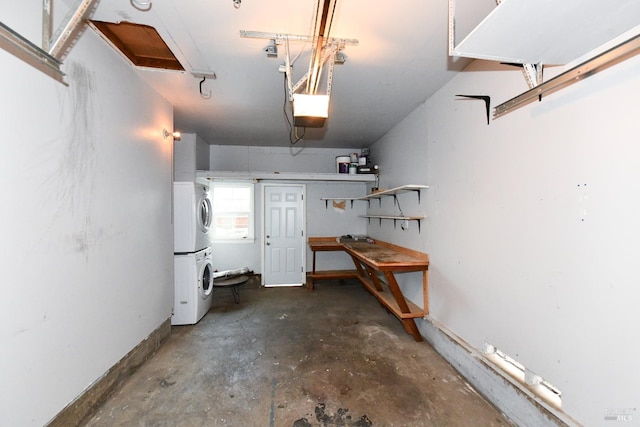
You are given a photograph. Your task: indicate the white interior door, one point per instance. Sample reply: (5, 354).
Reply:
(283, 235)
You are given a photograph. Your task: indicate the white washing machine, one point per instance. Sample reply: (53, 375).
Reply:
(192, 216)
(193, 280)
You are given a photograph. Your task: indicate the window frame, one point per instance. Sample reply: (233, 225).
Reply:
(251, 237)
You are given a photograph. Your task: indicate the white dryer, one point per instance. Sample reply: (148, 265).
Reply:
(192, 216)
(193, 280)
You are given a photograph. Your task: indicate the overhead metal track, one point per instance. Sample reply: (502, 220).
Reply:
(324, 16)
(48, 57)
(585, 69)
(22, 48)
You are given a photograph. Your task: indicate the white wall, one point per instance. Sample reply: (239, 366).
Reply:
(532, 227)
(86, 247)
(191, 153)
(275, 159)
(321, 221)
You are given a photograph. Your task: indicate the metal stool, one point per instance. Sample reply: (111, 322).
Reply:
(232, 282)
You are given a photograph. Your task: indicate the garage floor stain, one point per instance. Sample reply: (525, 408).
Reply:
(286, 357)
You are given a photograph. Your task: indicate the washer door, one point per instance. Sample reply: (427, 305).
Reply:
(205, 279)
(205, 213)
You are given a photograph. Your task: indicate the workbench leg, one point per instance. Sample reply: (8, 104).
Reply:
(412, 329)
(425, 291)
(375, 279)
(396, 292)
(409, 324)
(356, 262)
(312, 283)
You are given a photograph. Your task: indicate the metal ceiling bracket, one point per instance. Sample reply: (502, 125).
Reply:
(47, 22)
(331, 51)
(204, 74)
(452, 26)
(283, 37)
(328, 54)
(532, 74)
(73, 20)
(581, 71)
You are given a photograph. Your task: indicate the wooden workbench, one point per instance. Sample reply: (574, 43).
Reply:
(324, 244)
(376, 265)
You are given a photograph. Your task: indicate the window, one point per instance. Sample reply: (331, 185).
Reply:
(232, 211)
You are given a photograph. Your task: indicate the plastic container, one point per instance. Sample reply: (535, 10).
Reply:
(342, 164)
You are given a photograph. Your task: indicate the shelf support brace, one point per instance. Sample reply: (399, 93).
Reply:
(532, 74)
(581, 71)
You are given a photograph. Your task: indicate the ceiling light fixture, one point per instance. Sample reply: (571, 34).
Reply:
(310, 111)
(176, 135)
(310, 108)
(237, 3)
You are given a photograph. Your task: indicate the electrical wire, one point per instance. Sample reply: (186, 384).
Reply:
(293, 130)
(398, 203)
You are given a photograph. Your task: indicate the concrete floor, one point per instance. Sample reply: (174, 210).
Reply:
(288, 357)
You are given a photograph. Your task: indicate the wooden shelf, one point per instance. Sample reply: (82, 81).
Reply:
(395, 219)
(392, 192)
(401, 218)
(334, 274)
(395, 191)
(547, 31)
(285, 176)
(380, 194)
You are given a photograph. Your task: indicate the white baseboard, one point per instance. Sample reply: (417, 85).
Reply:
(515, 401)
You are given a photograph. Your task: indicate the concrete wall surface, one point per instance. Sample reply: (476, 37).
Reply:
(86, 245)
(531, 226)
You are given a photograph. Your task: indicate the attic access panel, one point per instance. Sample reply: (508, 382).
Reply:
(140, 43)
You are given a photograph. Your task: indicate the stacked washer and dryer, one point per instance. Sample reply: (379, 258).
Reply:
(193, 267)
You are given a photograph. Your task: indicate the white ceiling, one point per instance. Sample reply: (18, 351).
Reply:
(401, 59)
